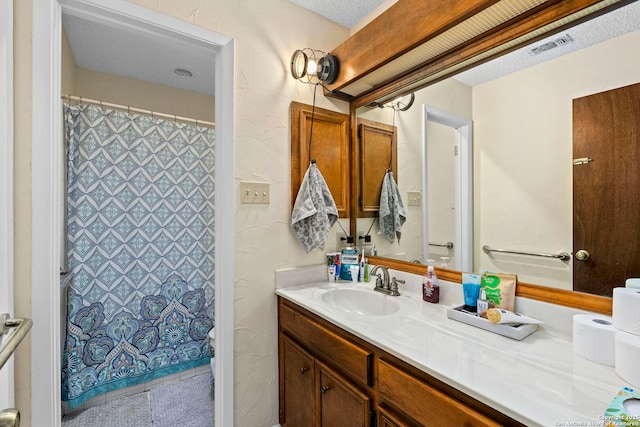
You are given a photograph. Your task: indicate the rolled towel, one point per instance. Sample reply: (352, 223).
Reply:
(314, 211)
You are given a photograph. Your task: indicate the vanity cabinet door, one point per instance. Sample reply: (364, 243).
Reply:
(340, 403)
(298, 368)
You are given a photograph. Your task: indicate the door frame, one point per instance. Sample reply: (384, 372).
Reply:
(463, 171)
(46, 194)
(7, 396)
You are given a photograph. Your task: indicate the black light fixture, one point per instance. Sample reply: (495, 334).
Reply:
(314, 66)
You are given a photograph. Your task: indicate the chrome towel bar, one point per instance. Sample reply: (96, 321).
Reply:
(564, 256)
(22, 328)
(448, 245)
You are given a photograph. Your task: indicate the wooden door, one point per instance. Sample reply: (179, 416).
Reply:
(298, 386)
(606, 189)
(340, 404)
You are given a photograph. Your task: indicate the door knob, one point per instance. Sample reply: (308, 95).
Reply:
(582, 255)
(325, 388)
(303, 370)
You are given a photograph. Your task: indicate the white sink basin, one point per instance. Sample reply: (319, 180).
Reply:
(361, 301)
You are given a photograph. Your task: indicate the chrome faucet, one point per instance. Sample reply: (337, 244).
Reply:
(383, 284)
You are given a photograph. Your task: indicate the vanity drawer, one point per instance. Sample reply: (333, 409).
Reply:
(343, 355)
(424, 403)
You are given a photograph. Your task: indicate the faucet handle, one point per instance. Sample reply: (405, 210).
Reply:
(394, 286)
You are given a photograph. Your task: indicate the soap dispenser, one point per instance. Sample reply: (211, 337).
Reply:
(430, 288)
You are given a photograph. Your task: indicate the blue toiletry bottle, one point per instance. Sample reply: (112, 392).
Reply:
(348, 256)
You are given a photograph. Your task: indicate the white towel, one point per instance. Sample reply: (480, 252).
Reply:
(314, 211)
(391, 213)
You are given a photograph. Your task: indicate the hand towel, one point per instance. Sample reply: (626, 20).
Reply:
(314, 211)
(391, 213)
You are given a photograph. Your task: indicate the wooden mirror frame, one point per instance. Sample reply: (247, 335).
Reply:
(371, 37)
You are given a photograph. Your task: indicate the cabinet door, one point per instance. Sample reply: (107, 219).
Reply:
(387, 419)
(340, 403)
(377, 152)
(329, 146)
(298, 384)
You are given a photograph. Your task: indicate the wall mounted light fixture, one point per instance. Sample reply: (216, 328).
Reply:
(314, 66)
(402, 103)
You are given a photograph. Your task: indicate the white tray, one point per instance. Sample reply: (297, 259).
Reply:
(517, 332)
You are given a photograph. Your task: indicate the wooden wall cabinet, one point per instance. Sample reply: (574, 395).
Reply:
(330, 378)
(330, 148)
(376, 151)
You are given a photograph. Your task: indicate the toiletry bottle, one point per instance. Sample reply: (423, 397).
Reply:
(366, 270)
(367, 247)
(483, 304)
(348, 257)
(430, 288)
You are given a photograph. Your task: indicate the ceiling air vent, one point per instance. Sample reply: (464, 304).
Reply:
(566, 39)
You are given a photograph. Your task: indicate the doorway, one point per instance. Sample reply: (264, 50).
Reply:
(463, 184)
(6, 186)
(46, 194)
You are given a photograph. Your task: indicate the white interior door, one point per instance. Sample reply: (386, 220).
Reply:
(6, 186)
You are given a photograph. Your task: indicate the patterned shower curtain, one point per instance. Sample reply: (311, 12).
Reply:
(140, 249)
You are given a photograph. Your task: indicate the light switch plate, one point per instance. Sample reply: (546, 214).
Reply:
(414, 198)
(255, 192)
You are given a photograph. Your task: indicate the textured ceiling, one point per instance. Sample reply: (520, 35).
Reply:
(139, 54)
(613, 24)
(345, 12)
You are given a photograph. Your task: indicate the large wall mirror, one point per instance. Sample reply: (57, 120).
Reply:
(522, 109)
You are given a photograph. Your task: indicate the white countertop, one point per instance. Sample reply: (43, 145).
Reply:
(538, 381)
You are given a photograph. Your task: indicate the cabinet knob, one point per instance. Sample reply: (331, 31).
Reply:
(303, 370)
(325, 388)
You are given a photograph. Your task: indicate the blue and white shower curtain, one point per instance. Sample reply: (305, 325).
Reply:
(140, 249)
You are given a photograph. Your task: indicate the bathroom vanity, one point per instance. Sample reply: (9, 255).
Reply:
(329, 377)
(398, 361)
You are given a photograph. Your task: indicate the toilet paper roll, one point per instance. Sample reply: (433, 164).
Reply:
(633, 282)
(626, 310)
(594, 338)
(627, 356)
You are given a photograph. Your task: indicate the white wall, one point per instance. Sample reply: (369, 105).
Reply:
(266, 33)
(523, 153)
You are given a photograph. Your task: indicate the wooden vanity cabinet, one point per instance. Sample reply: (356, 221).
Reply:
(331, 378)
(314, 395)
(323, 376)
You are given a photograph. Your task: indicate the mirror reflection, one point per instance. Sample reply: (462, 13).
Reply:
(521, 106)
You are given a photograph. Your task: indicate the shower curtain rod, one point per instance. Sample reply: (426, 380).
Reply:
(138, 110)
